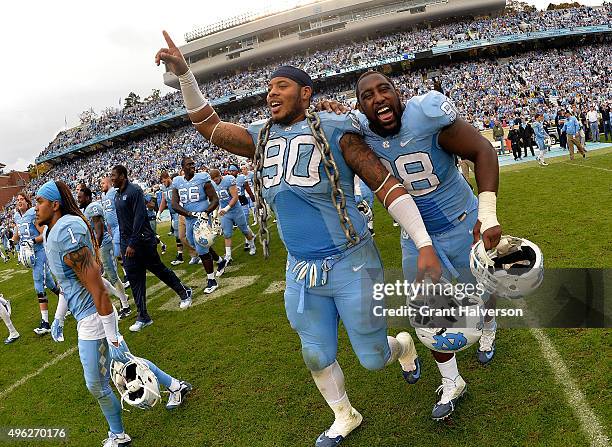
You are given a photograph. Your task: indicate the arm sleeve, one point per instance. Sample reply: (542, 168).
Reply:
(136, 198)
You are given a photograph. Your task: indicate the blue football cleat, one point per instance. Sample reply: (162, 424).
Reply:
(346, 427)
(413, 376)
(324, 441)
(486, 346)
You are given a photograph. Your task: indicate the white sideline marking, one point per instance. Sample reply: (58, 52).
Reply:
(24, 379)
(590, 424)
(586, 166)
(274, 287)
(238, 282)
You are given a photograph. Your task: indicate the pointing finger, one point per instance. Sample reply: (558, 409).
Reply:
(168, 39)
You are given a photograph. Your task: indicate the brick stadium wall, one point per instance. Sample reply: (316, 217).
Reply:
(11, 184)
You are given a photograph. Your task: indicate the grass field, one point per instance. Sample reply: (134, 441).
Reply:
(252, 389)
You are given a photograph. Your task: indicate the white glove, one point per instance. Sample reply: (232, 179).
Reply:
(158, 217)
(200, 215)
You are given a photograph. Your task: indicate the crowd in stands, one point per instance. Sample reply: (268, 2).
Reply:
(513, 21)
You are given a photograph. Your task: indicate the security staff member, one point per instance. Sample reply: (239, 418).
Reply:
(139, 247)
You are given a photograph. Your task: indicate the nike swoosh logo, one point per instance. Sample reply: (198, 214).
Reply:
(356, 269)
(404, 143)
(417, 373)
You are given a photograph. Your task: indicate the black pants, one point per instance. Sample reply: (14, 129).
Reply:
(516, 152)
(146, 258)
(529, 144)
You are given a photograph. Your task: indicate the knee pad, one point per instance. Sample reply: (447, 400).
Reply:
(317, 359)
(42, 298)
(373, 361)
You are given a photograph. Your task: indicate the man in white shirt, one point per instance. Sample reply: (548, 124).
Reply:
(593, 119)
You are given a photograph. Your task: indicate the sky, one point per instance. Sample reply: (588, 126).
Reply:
(61, 58)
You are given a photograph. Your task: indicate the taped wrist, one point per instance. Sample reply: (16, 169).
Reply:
(192, 96)
(487, 210)
(111, 329)
(62, 309)
(405, 212)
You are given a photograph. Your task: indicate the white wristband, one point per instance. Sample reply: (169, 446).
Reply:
(487, 210)
(405, 212)
(192, 96)
(111, 329)
(227, 208)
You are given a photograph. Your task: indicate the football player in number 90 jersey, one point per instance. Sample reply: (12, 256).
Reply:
(417, 142)
(73, 259)
(332, 265)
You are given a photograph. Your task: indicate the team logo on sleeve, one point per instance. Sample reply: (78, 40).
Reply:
(355, 122)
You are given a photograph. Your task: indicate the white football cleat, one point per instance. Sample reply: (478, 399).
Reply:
(177, 397)
(339, 430)
(252, 250)
(451, 390)
(114, 440)
(139, 325)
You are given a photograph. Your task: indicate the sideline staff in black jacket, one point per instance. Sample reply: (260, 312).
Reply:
(139, 247)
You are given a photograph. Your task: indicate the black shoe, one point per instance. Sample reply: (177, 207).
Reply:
(43, 328)
(179, 260)
(246, 246)
(221, 266)
(125, 312)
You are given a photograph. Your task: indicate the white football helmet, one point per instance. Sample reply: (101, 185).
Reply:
(514, 269)
(26, 256)
(438, 332)
(206, 230)
(136, 383)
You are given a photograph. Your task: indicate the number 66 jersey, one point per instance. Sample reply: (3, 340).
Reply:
(428, 172)
(296, 186)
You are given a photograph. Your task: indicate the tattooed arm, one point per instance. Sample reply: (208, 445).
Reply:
(84, 264)
(362, 159)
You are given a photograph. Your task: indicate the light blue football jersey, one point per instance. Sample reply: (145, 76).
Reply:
(427, 171)
(249, 179)
(69, 234)
(150, 211)
(108, 204)
(191, 193)
(240, 182)
(297, 188)
(167, 193)
(223, 190)
(25, 225)
(95, 209)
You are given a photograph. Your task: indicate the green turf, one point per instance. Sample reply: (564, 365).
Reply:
(251, 388)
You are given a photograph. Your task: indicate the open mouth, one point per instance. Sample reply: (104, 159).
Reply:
(275, 106)
(385, 114)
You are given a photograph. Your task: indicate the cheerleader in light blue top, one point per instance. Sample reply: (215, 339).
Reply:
(332, 262)
(73, 258)
(28, 234)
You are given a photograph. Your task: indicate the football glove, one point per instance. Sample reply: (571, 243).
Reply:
(57, 330)
(118, 353)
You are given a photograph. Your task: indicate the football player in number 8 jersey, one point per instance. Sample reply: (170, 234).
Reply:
(417, 141)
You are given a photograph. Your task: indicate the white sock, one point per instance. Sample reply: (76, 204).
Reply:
(489, 325)
(403, 350)
(45, 315)
(4, 315)
(174, 385)
(330, 382)
(211, 275)
(449, 368)
(228, 252)
(121, 293)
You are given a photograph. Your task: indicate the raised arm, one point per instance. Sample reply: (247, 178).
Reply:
(400, 205)
(228, 136)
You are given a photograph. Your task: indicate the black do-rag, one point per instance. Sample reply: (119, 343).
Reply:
(293, 73)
